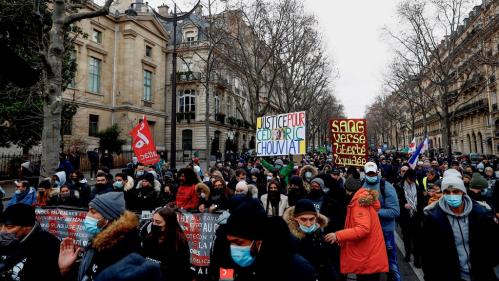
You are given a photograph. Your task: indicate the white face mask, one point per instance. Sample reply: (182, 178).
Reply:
(269, 178)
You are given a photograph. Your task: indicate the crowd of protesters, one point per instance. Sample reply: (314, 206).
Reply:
(279, 220)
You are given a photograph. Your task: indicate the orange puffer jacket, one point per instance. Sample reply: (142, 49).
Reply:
(362, 244)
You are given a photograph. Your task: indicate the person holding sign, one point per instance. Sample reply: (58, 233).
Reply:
(113, 236)
(27, 252)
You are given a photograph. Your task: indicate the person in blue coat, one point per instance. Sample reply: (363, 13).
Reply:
(24, 194)
(389, 212)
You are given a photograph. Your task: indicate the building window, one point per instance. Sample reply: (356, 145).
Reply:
(93, 125)
(147, 85)
(187, 139)
(217, 103)
(186, 64)
(72, 57)
(97, 36)
(187, 101)
(94, 70)
(148, 51)
(190, 37)
(67, 124)
(229, 107)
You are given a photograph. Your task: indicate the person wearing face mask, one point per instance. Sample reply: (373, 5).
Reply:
(27, 252)
(363, 251)
(478, 190)
(203, 192)
(66, 197)
(296, 190)
(283, 171)
(316, 193)
(274, 202)
(139, 172)
(219, 195)
(308, 173)
(388, 213)
(102, 185)
(24, 194)
(44, 193)
(165, 242)
(468, 248)
(58, 179)
(307, 225)
(145, 196)
(123, 182)
(257, 248)
(112, 234)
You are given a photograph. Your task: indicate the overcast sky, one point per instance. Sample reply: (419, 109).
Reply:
(352, 30)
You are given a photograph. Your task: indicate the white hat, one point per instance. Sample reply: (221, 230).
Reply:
(370, 167)
(453, 181)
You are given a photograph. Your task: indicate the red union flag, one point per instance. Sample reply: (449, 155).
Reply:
(143, 144)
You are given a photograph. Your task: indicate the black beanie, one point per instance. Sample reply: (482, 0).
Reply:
(352, 184)
(19, 215)
(296, 180)
(149, 177)
(45, 183)
(247, 221)
(304, 206)
(410, 174)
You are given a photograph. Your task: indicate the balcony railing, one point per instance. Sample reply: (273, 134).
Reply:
(188, 44)
(471, 107)
(187, 76)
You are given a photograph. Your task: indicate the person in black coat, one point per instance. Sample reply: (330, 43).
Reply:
(145, 197)
(102, 185)
(412, 202)
(451, 253)
(27, 252)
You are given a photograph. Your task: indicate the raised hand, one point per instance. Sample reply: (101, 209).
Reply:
(68, 253)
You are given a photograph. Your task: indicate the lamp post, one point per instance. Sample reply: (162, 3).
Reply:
(173, 19)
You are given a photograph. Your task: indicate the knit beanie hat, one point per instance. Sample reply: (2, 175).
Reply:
(318, 181)
(110, 205)
(296, 180)
(304, 206)
(279, 162)
(452, 172)
(352, 184)
(255, 171)
(410, 174)
(453, 181)
(247, 220)
(149, 177)
(478, 181)
(19, 215)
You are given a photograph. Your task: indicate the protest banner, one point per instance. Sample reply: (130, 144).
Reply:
(283, 134)
(63, 223)
(349, 139)
(143, 143)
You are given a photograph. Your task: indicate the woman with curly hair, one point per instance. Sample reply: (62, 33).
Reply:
(187, 197)
(362, 245)
(166, 243)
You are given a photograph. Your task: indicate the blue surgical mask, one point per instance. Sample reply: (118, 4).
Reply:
(308, 229)
(453, 200)
(118, 184)
(140, 173)
(241, 255)
(372, 180)
(17, 192)
(90, 226)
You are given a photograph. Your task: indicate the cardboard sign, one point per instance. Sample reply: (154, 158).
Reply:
(283, 134)
(63, 223)
(349, 139)
(143, 144)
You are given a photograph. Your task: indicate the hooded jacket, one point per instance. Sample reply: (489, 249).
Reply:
(27, 197)
(115, 242)
(308, 168)
(443, 259)
(362, 244)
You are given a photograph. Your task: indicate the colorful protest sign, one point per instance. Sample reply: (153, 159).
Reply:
(64, 223)
(349, 139)
(143, 144)
(283, 134)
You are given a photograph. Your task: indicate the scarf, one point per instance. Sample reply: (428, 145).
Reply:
(411, 197)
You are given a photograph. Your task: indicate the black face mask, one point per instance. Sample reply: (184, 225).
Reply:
(155, 230)
(274, 196)
(100, 185)
(8, 239)
(315, 193)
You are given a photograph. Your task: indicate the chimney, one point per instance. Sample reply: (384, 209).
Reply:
(199, 10)
(164, 10)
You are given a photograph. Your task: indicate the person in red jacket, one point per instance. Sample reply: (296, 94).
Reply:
(187, 197)
(362, 244)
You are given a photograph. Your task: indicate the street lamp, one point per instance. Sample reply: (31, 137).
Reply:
(174, 19)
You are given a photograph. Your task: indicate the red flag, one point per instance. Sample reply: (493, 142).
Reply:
(143, 144)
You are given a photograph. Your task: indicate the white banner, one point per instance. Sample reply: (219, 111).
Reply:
(283, 134)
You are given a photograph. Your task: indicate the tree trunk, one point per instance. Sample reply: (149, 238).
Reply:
(207, 124)
(52, 104)
(446, 133)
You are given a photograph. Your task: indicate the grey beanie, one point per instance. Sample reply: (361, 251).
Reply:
(255, 171)
(279, 162)
(110, 205)
(319, 181)
(453, 181)
(352, 184)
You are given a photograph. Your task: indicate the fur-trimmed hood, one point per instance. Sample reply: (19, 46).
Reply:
(308, 168)
(201, 187)
(366, 197)
(117, 231)
(293, 224)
